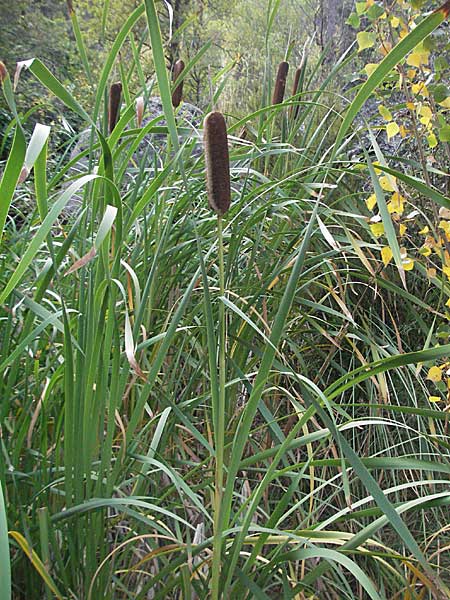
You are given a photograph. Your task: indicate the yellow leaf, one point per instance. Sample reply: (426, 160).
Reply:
(386, 255)
(420, 89)
(403, 131)
(396, 205)
(426, 115)
(411, 73)
(392, 129)
(395, 21)
(432, 140)
(434, 399)
(445, 225)
(385, 113)
(445, 103)
(425, 251)
(377, 229)
(431, 273)
(387, 183)
(411, 106)
(448, 303)
(408, 264)
(370, 68)
(414, 59)
(371, 201)
(435, 374)
(365, 40)
(425, 230)
(402, 229)
(385, 47)
(418, 57)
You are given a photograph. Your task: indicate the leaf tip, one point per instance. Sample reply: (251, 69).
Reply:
(3, 72)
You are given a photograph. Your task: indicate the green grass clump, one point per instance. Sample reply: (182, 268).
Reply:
(228, 405)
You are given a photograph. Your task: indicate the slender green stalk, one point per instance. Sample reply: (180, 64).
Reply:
(220, 424)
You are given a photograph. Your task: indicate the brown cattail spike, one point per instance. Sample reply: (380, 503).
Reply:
(3, 72)
(217, 162)
(177, 95)
(115, 94)
(298, 73)
(280, 84)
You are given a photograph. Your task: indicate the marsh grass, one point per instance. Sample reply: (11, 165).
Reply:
(125, 327)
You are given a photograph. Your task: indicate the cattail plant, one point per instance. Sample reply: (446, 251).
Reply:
(296, 86)
(219, 197)
(217, 162)
(115, 94)
(177, 95)
(280, 83)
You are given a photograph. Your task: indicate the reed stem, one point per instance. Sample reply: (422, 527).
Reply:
(220, 425)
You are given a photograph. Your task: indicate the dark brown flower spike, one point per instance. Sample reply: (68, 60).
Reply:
(115, 94)
(280, 83)
(298, 73)
(217, 162)
(177, 95)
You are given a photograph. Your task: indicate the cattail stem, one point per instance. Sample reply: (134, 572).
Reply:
(219, 437)
(177, 94)
(115, 95)
(217, 162)
(280, 83)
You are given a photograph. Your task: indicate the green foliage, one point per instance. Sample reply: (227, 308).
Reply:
(253, 406)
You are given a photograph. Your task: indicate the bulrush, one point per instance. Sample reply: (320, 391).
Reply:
(280, 83)
(295, 90)
(139, 110)
(177, 95)
(3, 72)
(217, 162)
(115, 94)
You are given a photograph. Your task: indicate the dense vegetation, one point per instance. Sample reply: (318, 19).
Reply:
(202, 399)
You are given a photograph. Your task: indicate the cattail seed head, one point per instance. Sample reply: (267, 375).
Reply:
(177, 95)
(3, 72)
(139, 110)
(217, 162)
(280, 83)
(115, 94)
